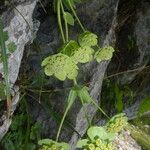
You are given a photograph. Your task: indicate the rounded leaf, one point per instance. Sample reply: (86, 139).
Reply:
(83, 55)
(82, 143)
(88, 39)
(61, 66)
(105, 53)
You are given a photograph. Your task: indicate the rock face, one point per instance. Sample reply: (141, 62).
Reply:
(19, 24)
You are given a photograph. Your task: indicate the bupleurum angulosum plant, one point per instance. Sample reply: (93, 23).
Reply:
(64, 65)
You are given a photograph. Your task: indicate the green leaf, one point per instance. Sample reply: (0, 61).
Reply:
(69, 47)
(144, 106)
(2, 91)
(95, 131)
(5, 34)
(119, 99)
(64, 145)
(71, 98)
(82, 143)
(69, 18)
(104, 53)
(84, 95)
(11, 47)
(66, 3)
(83, 55)
(46, 142)
(88, 39)
(61, 66)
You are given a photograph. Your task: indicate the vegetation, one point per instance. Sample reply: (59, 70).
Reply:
(25, 133)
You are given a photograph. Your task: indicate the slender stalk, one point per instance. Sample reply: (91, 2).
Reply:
(85, 112)
(66, 25)
(28, 127)
(99, 108)
(59, 20)
(73, 11)
(5, 67)
(42, 6)
(62, 121)
(75, 82)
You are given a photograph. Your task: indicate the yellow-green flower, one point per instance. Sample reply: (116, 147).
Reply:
(91, 146)
(117, 123)
(104, 53)
(61, 66)
(88, 39)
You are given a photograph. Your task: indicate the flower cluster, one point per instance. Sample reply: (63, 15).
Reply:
(117, 123)
(98, 139)
(48, 144)
(99, 145)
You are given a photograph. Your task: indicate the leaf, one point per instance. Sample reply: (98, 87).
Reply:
(69, 18)
(88, 39)
(46, 142)
(66, 3)
(2, 91)
(71, 98)
(11, 47)
(69, 47)
(144, 106)
(83, 55)
(119, 99)
(5, 34)
(82, 143)
(95, 131)
(64, 145)
(104, 53)
(77, 1)
(84, 95)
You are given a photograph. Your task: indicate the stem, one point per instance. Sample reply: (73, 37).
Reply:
(66, 25)
(62, 121)
(99, 108)
(5, 67)
(85, 112)
(75, 82)
(59, 20)
(28, 127)
(73, 11)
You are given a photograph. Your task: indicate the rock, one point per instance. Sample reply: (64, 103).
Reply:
(19, 24)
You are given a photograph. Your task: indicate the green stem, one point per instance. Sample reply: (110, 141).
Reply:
(62, 121)
(59, 20)
(66, 25)
(5, 66)
(28, 127)
(75, 82)
(73, 11)
(99, 108)
(85, 112)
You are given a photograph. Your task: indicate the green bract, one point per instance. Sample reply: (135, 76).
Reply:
(69, 47)
(48, 144)
(105, 53)
(117, 123)
(83, 55)
(88, 39)
(61, 66)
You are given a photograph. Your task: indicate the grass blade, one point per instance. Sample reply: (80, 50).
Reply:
(5, 65)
